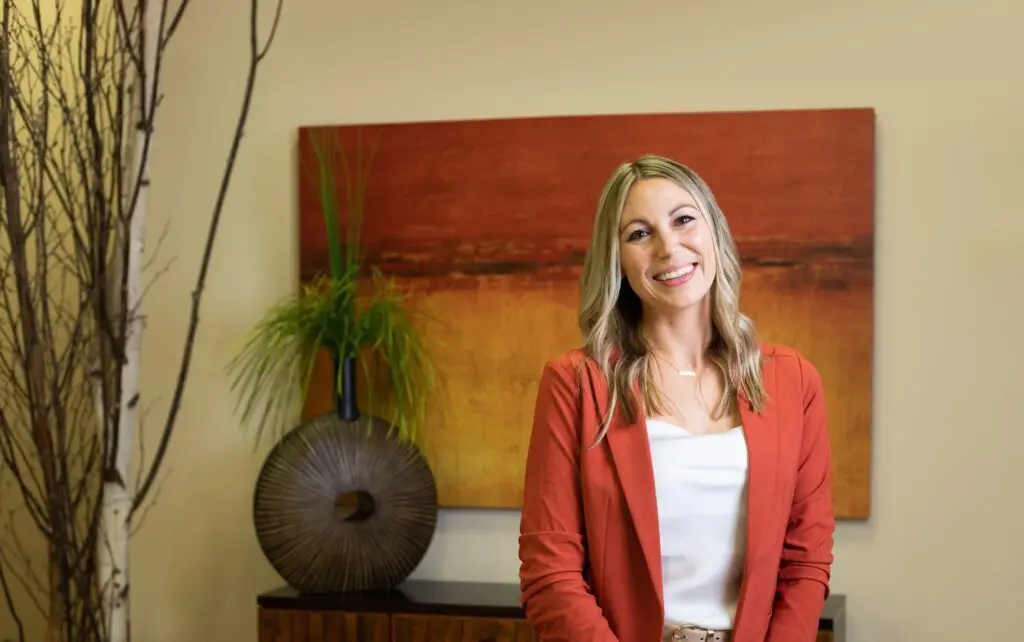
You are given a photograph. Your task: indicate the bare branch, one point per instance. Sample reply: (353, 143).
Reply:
(9, 600)
(79, 95)
(256, 54)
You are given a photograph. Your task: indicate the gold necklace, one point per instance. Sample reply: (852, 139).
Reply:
(682, 372)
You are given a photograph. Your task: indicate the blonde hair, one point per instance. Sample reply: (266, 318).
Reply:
(610, 312)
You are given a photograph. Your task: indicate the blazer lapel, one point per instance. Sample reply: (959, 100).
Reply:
(761, 432)
(631, 453)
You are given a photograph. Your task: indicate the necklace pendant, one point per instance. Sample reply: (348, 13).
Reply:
(687, 373)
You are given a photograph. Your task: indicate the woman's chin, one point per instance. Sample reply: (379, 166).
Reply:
(677, 303)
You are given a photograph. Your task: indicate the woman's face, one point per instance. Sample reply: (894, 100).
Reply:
(665, 244)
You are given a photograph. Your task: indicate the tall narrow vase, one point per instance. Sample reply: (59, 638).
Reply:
(346, 403)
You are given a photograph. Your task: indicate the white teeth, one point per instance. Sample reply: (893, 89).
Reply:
(675, 274)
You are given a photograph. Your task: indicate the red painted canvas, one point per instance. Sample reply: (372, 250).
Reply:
(488, 222)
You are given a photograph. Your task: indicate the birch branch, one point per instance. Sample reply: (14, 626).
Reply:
(78, 108)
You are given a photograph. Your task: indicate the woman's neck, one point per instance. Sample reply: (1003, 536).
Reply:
(681, 338)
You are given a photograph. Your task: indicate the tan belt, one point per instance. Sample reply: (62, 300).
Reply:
(691, 633)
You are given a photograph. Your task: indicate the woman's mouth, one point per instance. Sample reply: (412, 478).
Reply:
(676, 276)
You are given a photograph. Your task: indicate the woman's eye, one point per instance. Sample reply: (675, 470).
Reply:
(684, 219)
(636, 236)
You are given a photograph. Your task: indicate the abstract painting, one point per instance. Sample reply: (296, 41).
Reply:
(486, 222)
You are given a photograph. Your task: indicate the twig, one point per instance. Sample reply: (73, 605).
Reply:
(256, 55)
(8, 598)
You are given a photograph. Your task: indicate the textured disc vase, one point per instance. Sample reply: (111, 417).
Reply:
(342, 506)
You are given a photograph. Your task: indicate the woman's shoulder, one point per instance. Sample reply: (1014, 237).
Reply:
(791, 364)
(572, 358)
(570, 364)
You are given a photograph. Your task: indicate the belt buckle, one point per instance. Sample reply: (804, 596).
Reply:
(679, 633)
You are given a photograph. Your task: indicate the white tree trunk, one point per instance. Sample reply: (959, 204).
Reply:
(119, 489)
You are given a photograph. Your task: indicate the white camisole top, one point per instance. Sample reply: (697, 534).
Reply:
(701, 483)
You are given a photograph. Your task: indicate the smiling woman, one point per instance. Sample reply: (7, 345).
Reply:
(665, 244)
(671, 441)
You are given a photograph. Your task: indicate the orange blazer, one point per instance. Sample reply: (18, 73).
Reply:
(589, 545)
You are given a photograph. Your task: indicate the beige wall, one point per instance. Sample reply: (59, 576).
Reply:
(940, 557)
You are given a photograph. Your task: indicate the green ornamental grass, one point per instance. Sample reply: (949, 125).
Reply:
(272, 372)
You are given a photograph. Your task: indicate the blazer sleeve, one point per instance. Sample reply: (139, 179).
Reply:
(805, 565)
(558, 603)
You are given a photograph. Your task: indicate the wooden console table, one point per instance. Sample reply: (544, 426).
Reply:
(427, 611)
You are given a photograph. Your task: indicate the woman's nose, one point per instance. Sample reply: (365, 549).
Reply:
(666, 244)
